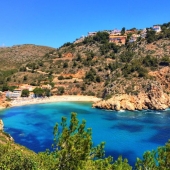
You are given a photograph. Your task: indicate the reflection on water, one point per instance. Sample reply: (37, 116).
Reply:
(126, 133)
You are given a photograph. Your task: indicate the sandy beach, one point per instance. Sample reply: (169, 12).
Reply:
(64, 98)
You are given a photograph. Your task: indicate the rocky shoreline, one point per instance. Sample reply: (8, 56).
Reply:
(152, 98)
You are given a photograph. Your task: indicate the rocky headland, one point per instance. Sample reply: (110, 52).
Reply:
(152, 98)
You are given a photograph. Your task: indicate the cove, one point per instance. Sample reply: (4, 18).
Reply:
(126, 133)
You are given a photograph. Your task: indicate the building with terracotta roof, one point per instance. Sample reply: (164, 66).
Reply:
(117, 39)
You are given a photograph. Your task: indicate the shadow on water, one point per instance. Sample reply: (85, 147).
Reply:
(129, 128)
(109, 118)
(30, 141)
(161, 135)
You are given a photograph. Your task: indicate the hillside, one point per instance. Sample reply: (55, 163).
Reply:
(92, 65)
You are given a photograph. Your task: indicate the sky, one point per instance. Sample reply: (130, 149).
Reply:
(55, 22)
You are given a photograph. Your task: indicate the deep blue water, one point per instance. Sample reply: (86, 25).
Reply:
(126, 133)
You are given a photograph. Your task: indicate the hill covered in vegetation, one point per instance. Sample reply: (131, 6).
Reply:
(95, 66)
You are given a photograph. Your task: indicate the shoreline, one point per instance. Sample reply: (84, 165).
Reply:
(53, 99)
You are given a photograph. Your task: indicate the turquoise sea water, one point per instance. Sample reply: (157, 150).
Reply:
(126, 133)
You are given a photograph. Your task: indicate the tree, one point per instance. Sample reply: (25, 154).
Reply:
(73, 144)
(123, 31)
(74, 150)
(47, 92)
(102, 37)
(23, 69)
(98, 79)
(5, 87)
(83, 88)
(65, 65)
(78, 57)
(25, 93)
(149, 61)
(25, 78)
(39, 92)
(150, 36)
(60, 77)
(60, 90)
(157, 160)
(126, 56)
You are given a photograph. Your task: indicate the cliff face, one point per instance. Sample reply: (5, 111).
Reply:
(1, 125)
(3, 103)
(152, 98)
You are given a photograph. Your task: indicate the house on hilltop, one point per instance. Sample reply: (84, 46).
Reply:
(131, 31)
(116, 32)
(156, 28)
(134, 37)
(117, 39)
(91, 33)
(143, 33)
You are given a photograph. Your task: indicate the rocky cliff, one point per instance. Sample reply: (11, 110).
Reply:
(3, 103)
(152, 98)
(1, 125)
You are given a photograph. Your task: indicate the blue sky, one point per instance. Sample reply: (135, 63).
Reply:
(54, 22)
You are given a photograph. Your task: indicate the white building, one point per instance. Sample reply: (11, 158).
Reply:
(92, 33)
(14, 94)
(156, 28)
(116, 32)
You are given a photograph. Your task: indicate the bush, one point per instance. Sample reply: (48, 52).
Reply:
(25, 93)
(65, 65)
(98, 79)
(126, 56)
(143, 72)
(149, 61)
(60, 77)
(60, 90)
(164, 61)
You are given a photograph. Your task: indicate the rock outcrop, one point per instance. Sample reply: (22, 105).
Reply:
(3, 103)
(1, 125)
(152, 98)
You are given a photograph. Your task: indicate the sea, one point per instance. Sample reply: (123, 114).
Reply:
(126, 133)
